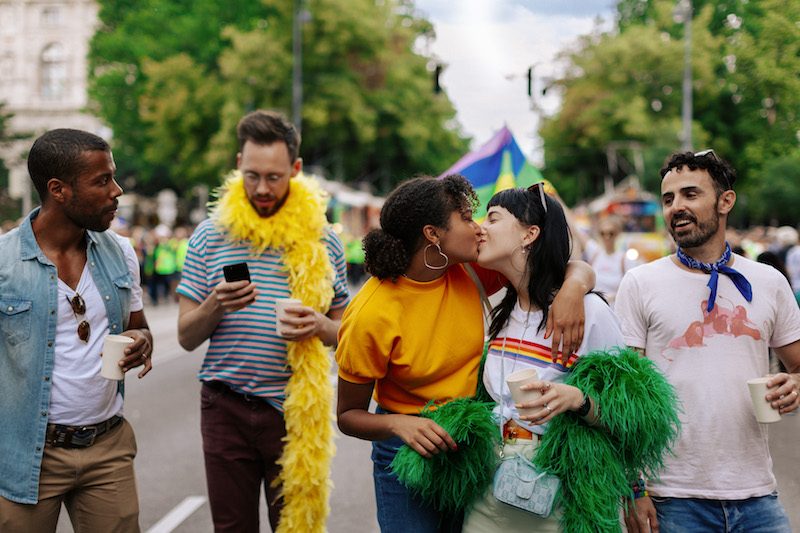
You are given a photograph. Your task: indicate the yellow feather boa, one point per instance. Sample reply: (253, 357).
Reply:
(297, 229)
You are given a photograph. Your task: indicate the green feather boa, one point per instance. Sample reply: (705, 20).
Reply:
(638, 421)
(449, 481)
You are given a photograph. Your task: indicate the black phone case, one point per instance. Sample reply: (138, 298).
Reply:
(236, 272)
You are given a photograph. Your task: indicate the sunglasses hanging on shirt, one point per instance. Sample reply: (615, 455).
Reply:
(79, 309)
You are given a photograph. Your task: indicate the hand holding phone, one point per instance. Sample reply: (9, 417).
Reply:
(236, 272)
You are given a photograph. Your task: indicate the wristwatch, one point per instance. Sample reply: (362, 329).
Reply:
(585, 407)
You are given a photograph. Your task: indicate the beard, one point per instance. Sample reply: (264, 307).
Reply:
(266, 212)
(700, 235)
(93, 221)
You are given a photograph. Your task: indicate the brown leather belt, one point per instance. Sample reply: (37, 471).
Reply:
(60, 436)
(513, 431)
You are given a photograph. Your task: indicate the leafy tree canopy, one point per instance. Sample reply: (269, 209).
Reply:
(173, 77)
(626, 86)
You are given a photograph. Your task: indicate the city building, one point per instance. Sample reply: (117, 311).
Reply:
(43, 75)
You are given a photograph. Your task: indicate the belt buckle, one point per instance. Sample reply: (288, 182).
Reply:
(78, 438)
(510, 435)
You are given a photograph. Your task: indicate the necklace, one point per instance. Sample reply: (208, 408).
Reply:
(525, 326)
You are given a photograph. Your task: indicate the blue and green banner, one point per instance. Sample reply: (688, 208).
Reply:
(497, 165)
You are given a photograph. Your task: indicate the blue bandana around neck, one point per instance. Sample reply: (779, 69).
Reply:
(715, 269)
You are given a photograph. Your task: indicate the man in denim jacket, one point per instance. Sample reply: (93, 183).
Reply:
(65, 283)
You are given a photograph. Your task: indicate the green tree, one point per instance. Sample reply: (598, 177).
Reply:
(173, 82)
(625, 85)
(778, 193)
(5, 136)
(9, 207)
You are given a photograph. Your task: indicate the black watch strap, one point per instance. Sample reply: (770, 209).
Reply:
(583, 410)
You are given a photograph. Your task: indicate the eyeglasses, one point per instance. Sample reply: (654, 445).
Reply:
(540, 187)
(608, 233)
(79, 308)
(709, 152)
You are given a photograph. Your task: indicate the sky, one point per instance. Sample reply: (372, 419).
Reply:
(487, 47)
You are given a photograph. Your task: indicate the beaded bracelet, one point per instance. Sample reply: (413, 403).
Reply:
(639, 490)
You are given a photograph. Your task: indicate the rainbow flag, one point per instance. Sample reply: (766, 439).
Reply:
(497, 165)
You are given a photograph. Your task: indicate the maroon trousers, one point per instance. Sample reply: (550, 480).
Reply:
(242, 440)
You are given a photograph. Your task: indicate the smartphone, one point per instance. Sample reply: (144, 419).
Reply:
(236, 272)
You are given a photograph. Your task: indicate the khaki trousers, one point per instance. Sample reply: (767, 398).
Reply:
(96, 484)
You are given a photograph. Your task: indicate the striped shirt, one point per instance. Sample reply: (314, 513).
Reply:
(245, 352)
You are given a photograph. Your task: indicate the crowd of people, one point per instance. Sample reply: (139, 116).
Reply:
(694, 326)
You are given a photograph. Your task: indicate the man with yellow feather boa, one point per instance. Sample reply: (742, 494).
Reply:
(266, 398)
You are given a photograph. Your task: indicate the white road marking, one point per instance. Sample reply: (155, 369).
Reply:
(176, 516)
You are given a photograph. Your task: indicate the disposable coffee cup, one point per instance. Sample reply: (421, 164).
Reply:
(280, 312)
(113, 352)
(517, 380)
(764, 411)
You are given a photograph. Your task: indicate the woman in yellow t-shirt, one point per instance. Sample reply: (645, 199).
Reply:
(414, 333)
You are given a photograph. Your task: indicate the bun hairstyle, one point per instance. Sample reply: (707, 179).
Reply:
(546, 259)
(413, 205)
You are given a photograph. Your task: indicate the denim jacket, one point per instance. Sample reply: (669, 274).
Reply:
(28, 315)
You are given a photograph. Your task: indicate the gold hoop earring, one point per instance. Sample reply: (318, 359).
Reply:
(438, 249)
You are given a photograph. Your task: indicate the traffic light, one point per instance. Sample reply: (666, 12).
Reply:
(530, 81)
(437, 71)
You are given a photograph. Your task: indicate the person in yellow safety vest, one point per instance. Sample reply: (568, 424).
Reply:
(164, 265)
(181, 246)
(354, 255)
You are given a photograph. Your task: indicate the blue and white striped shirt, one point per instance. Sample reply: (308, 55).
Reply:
(245, 352)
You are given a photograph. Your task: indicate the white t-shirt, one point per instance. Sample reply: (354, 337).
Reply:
(793, 266)
(608, 268)
(80, 395)
(517, 347)
(721, 452)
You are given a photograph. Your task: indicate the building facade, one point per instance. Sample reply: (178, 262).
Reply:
(43, 75)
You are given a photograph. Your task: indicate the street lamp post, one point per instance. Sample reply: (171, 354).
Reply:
(297, 65)
(683, 13)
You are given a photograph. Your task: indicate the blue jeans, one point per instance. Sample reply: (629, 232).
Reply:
(398, 510)
(764, 514)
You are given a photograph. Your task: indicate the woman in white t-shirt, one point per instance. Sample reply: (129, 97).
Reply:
(609, 263)
(525, 237)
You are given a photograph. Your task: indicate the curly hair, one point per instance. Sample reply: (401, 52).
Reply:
(548, 255)
(413, 205)
(722, 174)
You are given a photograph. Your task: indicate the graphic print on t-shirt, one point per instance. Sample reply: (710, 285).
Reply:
(529, 352)
(721, 320)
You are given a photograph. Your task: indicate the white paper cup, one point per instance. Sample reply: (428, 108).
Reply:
(280, 312)
(764, 411)
(518, 379)
(113, 352)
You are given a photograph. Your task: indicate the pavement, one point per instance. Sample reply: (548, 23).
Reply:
(164, 410)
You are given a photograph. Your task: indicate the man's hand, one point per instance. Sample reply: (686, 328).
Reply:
(423, 435)
(139, 352)
(783, 392)
(640, 515)
(301, 323)
(235, 295)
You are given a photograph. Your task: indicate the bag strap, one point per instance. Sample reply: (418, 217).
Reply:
(487, 306)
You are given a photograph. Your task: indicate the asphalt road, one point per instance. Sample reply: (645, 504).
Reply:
(164, 410)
